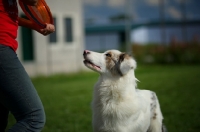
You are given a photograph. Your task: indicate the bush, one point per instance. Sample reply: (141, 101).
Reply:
(177, 53)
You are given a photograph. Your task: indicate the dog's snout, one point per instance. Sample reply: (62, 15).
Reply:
(85, 52)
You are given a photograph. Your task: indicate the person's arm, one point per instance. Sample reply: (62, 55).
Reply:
(30, 2)
(50, 28)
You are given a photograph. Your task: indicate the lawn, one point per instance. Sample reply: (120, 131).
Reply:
(67, 98)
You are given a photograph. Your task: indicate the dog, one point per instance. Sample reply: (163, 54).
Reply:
(118, 106)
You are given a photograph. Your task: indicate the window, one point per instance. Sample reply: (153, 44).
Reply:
(53, 36)
(68, 30)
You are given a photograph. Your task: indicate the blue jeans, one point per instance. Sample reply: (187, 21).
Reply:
(18, 95)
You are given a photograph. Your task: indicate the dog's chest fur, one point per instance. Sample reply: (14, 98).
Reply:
(115, 105)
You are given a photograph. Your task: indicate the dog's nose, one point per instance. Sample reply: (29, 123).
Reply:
(85, 52)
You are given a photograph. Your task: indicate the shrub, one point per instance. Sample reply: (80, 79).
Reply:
(178, 53)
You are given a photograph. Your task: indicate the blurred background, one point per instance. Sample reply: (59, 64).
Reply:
(162, 35)
(154, 30)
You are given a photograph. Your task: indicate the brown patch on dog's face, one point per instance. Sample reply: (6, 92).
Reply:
(123, 56)
(109, 60)
(114, 60)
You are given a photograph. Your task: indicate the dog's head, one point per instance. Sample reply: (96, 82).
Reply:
(111, 62)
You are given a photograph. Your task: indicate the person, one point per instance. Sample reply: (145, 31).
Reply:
(17, 93)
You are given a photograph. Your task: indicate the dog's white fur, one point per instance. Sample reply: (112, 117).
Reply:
(118, 106)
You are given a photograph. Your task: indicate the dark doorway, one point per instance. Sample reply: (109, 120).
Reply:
(27, 43)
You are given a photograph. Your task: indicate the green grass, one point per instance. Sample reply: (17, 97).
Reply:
(67, 98)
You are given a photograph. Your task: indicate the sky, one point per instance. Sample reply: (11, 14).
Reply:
(140, 10)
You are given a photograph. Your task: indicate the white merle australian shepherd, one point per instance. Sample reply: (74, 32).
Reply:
(118, 106)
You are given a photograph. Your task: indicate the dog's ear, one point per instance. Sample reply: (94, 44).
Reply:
(127, 63)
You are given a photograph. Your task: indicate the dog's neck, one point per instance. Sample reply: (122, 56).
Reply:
(117, 87)
(129, 79)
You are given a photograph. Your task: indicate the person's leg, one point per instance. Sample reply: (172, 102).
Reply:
(19, 95)
(3, 117)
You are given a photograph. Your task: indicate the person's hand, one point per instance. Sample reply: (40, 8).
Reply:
(48, 29)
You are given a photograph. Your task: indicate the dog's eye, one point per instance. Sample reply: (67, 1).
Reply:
(108, 55)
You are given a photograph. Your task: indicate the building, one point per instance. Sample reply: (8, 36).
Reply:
(157, 33)
(104, 37)
(60, 52)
